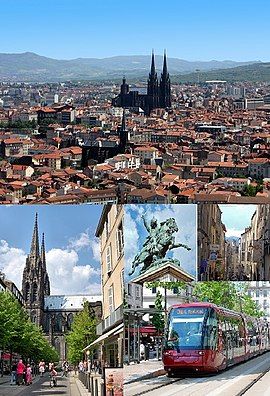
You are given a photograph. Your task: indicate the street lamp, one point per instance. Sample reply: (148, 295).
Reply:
(88, 361)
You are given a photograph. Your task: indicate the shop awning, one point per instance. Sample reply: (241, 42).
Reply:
(109, 333)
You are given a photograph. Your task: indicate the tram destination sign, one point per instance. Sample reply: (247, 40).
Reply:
(190, 311)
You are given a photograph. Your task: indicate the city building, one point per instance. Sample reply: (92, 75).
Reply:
(211, 243)
(110, 330)
(260, 292)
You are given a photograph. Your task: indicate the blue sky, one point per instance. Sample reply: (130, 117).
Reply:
(72, 249)
(192, 30)
(135, 232)
(236, 218)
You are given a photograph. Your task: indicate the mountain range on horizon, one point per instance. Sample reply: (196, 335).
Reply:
(31, 67)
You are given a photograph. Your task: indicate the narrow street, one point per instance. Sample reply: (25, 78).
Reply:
(40, 387)
(249, 378)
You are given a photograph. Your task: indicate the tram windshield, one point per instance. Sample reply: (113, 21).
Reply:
(185, 328)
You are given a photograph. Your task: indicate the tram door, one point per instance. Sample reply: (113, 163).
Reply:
(229, 344)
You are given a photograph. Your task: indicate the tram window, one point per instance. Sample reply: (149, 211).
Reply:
(211, 331)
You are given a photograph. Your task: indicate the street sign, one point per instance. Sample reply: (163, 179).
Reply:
(213, 256)
(214, 248)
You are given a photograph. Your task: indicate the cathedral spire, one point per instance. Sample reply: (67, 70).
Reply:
(165, 69)
(42, 251)
(153, 68)
(35, 243)
(165, 86)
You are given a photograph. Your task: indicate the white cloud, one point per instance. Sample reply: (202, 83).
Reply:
(66, 275)
(12, 262)
(95, 246)
(82, 241)
(131, 236)
(234, 232)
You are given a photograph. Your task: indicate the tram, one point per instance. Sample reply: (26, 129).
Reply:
(203, 337)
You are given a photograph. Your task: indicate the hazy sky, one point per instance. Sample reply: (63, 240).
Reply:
(236, 218)
(135, 232)
(72, 251)
(192, 30)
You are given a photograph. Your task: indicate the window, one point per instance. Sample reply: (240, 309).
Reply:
(137, 292)
(35, 292)
(120, 240)
(111, 299)
(109, 258)
(27, 292)
(107, 227)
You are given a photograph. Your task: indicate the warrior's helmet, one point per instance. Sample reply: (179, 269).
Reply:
(153, 222)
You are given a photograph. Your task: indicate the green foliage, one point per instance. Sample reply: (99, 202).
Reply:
(253, 72)
(22, 124)
(231, 295)
(157, 319)
(19, 334)
(83, 333)
(251, 191)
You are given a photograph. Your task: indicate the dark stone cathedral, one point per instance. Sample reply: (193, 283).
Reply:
(53, 313)
(158, 93)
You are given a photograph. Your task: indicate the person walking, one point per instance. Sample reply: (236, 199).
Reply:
(64, 368)
(29, 378)
(13, 378)
(20, 371)
(41, 367)
(81, 366)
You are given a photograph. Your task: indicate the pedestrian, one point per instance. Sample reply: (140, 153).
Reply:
(29, 378)
(20, 371)
(81, 366)
(13, 378)
(64, 368)
(41, 367)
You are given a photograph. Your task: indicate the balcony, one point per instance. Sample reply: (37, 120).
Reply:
(115, 317)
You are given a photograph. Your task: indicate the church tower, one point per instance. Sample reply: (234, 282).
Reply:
(165, 86)
(152, 88)
(124, 134)
(35, 282)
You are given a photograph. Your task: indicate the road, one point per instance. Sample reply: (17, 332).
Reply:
(249, 379)
(41, 387)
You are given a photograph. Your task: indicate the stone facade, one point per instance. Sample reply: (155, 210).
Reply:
(53, 313)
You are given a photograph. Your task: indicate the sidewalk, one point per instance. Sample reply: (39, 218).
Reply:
(144, 370)
(80, 387)
(4, 379)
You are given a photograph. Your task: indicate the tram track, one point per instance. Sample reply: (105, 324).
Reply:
(159, 386)
(253, 382)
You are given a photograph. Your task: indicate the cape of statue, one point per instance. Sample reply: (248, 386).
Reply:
(159, 241)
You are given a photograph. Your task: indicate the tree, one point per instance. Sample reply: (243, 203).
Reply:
(157, 319)
(19, 334)
(249, 190)
(83, 333)
(231, 295)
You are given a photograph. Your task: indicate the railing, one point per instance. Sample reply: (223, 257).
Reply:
(114, 317)
(93, 382)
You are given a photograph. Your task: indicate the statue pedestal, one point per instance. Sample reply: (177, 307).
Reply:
(162, 268)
